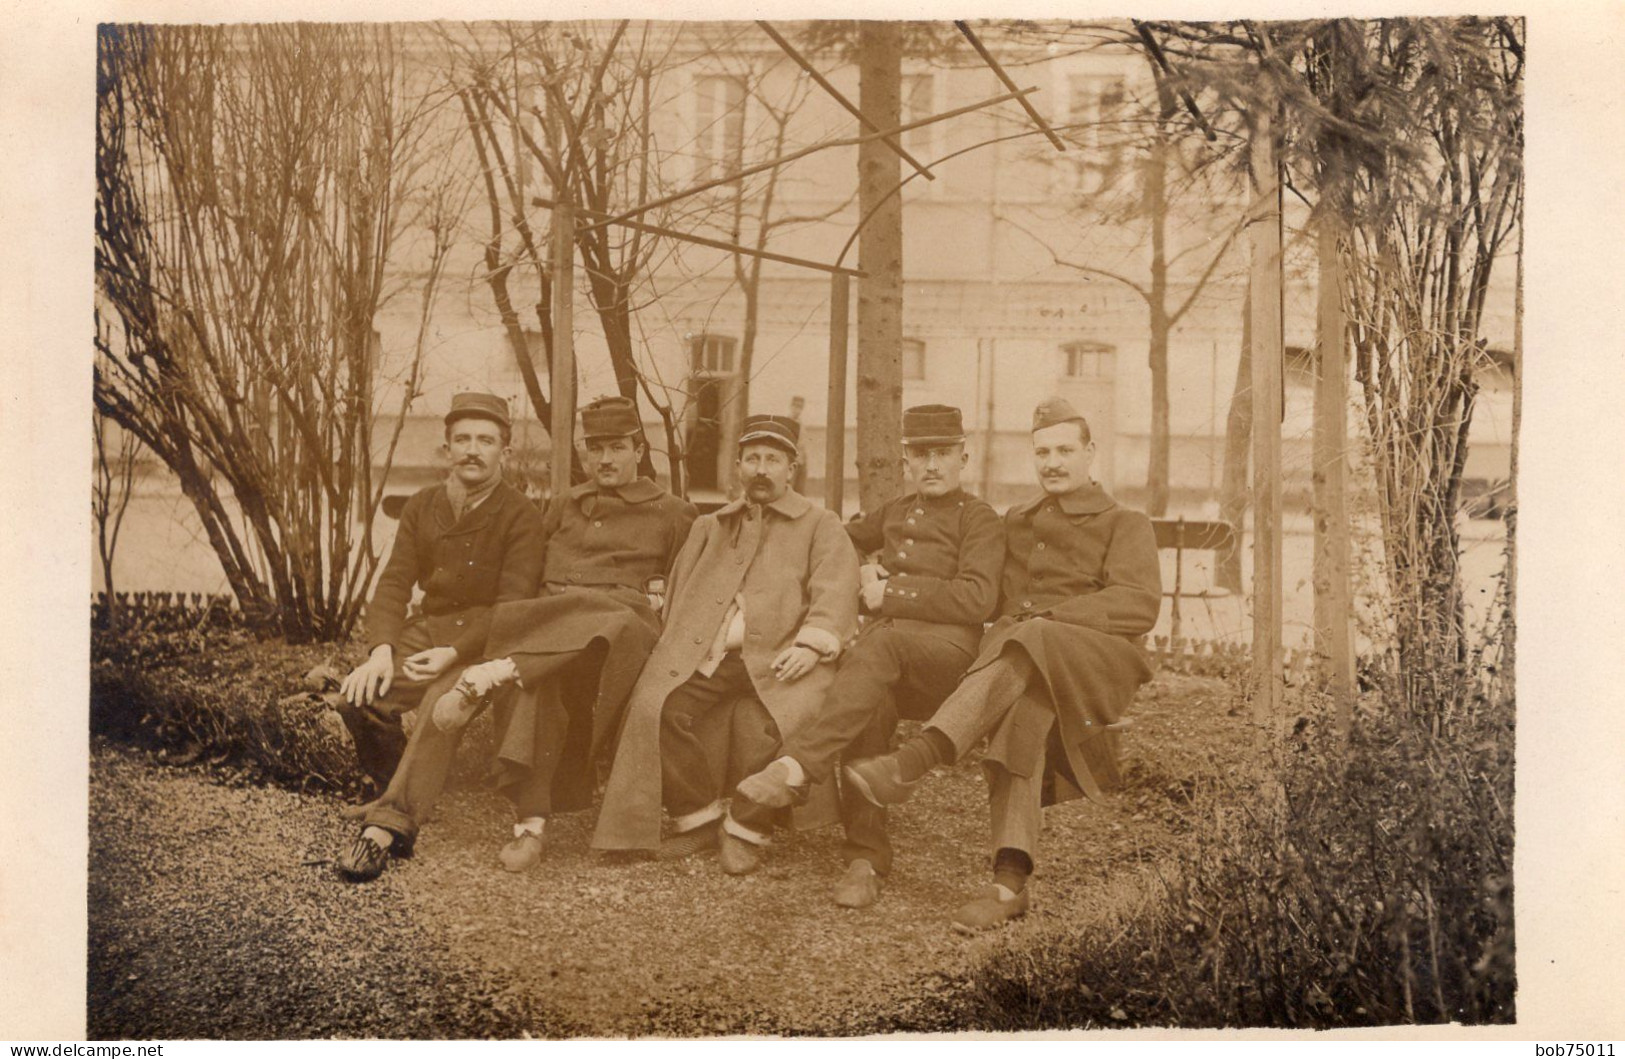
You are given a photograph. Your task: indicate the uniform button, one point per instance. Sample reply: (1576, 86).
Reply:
(459, 622)
(1040, 545)
(919, 511)
(902, 555)
(721, 600)
(908, 540)
(575, 577)
(674, 672)
(698, 639)
(911, 522)
(598, 523)
(471, 562)
(1026, 603)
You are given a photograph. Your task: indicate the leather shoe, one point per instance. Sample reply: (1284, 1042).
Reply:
(879, 780)
(523, 853)
(989, 909)
(686, 844)
(364, 860)
(859, 887)
(771, 787)
(737, 856)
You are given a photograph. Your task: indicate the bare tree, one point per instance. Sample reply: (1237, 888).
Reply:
(251, 184)
(111, 486)
(573, 103)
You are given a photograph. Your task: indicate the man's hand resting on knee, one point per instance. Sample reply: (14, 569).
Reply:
(372, 678)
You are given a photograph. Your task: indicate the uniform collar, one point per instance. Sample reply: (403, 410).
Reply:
(478, 516)
(791, 505)
(637, 491)
(953, 496)
(1090, 499)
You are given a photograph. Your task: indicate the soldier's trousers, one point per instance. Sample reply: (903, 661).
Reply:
(1005, 700)
(689, 783)
(886, 676)
(376, 728)
(406, 803)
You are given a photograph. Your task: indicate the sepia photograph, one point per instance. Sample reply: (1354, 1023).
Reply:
(785, 527)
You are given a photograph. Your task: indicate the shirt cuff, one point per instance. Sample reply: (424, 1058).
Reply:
(826, 643)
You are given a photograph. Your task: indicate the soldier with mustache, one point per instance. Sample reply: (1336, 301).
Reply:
(933, 580)
(1081, 585)
(468, 543)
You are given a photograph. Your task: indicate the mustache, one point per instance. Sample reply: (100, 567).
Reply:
(471, 461)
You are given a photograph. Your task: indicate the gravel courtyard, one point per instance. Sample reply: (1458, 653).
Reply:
(215, 911)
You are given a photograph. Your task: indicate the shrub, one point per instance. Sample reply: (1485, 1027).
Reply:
(1370, 889)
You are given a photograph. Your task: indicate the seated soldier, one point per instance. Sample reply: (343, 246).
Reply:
(762, 596)
(936, 582)
(1081, 584)
(603, 546)
(468, 543)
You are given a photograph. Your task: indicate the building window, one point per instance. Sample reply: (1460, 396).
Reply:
(719, 121)
(919, 97)
(712, 354)
(1097, 109)
(1086, 360)
(913, 360)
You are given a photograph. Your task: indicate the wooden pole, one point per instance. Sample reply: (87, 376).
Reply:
(835, 418)
(1334, 597)
(1264, 234)
(563, 376)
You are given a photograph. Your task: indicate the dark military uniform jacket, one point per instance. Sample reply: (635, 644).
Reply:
(465, 566)
(944, 555)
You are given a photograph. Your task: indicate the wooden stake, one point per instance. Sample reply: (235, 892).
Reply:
(835, 417)
(563, 376)
(1264, 233)
(1334, 598)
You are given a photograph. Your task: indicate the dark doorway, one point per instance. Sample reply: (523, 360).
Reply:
(705, 435)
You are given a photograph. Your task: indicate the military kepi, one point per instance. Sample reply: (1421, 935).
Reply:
(479, 406)
(932, 424)
(610, 417)
(774, 430)
(1053, 410)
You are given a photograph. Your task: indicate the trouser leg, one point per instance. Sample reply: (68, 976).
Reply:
(1016, 786)
(863, 821)
(688, 784)
(405, 805)
(862, 688)
(982, 699)
(532, 727)
(376, 728)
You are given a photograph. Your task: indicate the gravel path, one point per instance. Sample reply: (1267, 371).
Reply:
(215, 911)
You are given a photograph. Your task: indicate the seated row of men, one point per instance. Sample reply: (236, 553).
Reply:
(692, 652)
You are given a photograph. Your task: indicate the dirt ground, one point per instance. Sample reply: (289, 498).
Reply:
(215, 911)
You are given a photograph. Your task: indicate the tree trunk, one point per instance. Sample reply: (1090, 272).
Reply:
(1509, 622)
(880, 257)
(1334, 647)
(1156, 207)
(1238, 430)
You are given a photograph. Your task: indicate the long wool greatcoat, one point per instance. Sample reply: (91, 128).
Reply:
(799, 577)
(598, 551)
(1081, 585)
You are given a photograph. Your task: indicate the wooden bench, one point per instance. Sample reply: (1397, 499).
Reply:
(1182, 535)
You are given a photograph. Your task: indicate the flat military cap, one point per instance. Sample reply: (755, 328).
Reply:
(1053, 410)
(479, 406)
(774, 430)
(610, 417)
(932, 424)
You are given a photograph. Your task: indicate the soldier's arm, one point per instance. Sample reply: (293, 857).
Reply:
(868, 531)
(1128, 603)
(832, 589)
(972, 594)
(386, 613)
(524, 544)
